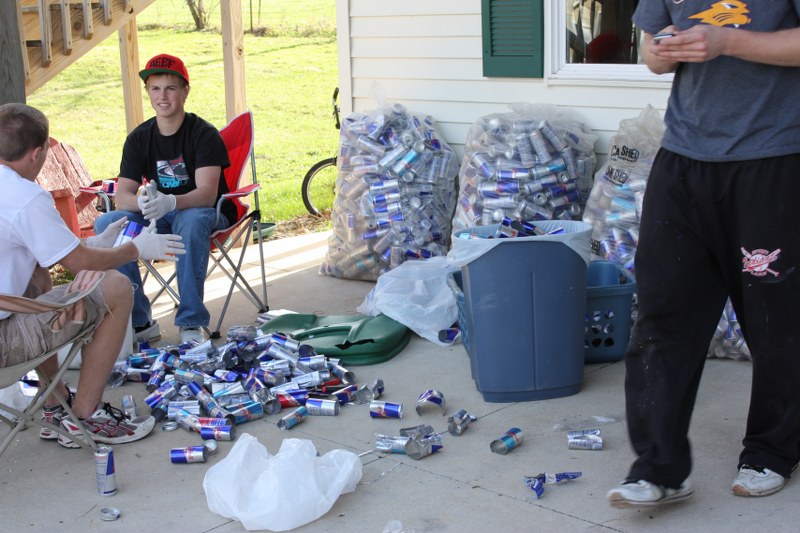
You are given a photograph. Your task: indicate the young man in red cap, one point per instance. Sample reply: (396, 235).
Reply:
(184, 156)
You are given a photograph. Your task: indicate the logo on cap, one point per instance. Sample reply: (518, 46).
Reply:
(165, 64)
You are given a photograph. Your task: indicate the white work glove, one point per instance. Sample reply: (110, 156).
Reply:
(109, 235)
(153, 246)
(157, 205)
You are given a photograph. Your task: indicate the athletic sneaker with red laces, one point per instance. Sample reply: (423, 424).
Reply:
(107, 425)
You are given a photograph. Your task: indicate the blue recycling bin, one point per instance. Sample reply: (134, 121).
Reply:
(521, 312)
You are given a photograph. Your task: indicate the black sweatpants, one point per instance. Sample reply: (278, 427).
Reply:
(711, 231)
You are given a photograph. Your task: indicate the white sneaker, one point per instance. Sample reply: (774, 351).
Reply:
(108, 425)
(645, 494)
(192, 335)
(148, 333)
(757, 481)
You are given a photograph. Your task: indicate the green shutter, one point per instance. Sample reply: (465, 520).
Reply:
(513, 38)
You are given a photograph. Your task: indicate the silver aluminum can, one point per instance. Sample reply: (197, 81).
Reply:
(105, 470)
(320, 407)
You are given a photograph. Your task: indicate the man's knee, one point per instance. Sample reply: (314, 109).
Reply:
(117, 290)
(195, 222)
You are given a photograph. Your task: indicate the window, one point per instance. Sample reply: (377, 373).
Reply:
(601, 31)
(583, 41)
(595, 41)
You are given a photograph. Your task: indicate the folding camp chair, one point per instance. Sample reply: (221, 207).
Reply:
(10, 375)
(238, 139)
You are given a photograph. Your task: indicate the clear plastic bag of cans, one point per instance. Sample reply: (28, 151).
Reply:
(533, 163)
(395, 193)
(614, 207)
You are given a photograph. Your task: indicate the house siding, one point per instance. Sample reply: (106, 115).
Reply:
(427, 55)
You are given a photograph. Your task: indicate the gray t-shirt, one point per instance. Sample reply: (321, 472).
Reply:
(728, 109)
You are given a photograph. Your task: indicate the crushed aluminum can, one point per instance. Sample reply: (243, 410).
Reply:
(431, 397)
(416, 447)
(458, 423)
(341, 372)
(422, 430)
(368, 392)
(584, 439)
(537, 482)
(109, 514)
(506, 442)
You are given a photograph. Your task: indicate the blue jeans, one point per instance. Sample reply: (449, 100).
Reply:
(195, 225)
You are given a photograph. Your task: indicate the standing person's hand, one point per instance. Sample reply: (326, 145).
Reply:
(157, 205)
(154, 246)
(109, 235)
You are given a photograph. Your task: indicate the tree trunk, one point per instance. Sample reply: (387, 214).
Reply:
(198, 13)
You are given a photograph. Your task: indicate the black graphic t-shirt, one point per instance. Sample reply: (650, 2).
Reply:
(171, 160)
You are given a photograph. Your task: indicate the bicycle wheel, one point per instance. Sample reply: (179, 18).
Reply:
(318, 186)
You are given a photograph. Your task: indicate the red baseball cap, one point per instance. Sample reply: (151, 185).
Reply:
(164, 64)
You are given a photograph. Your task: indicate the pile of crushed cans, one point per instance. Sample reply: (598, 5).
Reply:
(211, 390)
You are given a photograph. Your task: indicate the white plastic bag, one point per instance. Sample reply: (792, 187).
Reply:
(279, 492)
(416, 295)
(14, 397)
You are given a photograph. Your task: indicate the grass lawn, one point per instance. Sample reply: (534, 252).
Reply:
(291, 71)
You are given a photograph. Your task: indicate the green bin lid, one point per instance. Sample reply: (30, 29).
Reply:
(354, 339)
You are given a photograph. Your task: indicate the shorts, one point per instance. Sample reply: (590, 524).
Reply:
(27, 336)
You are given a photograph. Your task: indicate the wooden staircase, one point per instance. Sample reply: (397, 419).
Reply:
(55, 33)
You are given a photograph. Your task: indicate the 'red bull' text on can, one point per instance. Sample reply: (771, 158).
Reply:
(191, 454)
(106, 472)
(293, 398)
(379, 409)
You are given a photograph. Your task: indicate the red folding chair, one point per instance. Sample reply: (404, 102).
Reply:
(238, 139)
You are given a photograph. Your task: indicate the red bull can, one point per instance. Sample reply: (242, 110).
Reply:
(132, 229)
(292, 419)
(106, 473)
(191, 454)
(379, 409)
(320, 407)
(218, 432)
(507, 442)
(292, 398)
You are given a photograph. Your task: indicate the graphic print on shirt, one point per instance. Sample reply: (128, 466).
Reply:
(757, 262)
(172, 173)
(729, 13)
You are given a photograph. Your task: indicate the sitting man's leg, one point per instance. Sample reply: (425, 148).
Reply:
(144, 326)
(195, 225)
(109, 307)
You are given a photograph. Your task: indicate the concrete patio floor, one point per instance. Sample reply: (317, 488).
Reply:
(464, 487)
